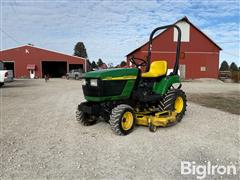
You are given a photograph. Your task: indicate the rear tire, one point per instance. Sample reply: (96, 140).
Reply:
(85, 119)
(122, 119)
(175, 100)
(1, 84)
(76, 77)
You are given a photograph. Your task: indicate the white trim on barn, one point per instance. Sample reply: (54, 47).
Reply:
(173, 52)
(185, 29)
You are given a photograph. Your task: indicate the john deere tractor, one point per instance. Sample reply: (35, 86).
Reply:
(126, 97)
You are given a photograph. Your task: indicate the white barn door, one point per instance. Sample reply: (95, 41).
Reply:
(182, 69)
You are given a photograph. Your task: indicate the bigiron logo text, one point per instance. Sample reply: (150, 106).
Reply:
(201, 171)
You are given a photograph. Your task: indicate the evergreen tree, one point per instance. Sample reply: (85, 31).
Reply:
(89, 65)
(224, 66)
(80, 50)
(94, 65)
(100, 62)
(233, 67)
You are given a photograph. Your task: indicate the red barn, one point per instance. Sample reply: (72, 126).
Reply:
(33, 62)
(199, 56)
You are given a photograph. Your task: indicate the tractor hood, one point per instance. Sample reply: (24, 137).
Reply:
(113, 74)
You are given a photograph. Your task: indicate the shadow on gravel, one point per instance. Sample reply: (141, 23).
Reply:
(20, 84)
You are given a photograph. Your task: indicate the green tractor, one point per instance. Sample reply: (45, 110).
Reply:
(126, 97)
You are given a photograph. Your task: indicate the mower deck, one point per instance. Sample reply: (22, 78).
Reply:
(154, 120)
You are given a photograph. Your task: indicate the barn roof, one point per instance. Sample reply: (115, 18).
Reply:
(182, 19)
(31, 46)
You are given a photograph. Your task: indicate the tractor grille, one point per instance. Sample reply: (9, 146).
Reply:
(104, 88)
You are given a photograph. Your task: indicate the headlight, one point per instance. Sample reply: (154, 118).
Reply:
(84, 82)
(93, 82)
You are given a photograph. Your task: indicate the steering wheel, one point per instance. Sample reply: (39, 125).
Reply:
(133, 60)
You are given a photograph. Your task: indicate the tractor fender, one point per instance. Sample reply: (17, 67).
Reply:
(163, 86)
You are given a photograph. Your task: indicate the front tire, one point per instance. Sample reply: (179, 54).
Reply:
(85, 119)
(175, 100)
(122, 119)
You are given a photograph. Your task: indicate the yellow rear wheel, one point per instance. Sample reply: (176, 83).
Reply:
(175, 100)
(178, 104)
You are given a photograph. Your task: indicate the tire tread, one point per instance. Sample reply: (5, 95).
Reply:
(116, 116)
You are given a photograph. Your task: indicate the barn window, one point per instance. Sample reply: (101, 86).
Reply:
(185, 29)
(203, 68)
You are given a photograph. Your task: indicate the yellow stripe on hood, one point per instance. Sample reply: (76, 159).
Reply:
(120, 78)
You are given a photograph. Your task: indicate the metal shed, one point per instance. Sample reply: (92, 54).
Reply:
(34, 62)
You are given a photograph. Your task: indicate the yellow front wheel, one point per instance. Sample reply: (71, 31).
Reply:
(127, 120)
(122, 119)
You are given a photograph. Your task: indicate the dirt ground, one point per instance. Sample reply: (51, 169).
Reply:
(228, 102)
(215, 94)
(40, 138)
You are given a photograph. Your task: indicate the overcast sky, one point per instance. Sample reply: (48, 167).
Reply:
(111, 29)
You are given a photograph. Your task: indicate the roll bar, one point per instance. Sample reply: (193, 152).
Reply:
(176, 65)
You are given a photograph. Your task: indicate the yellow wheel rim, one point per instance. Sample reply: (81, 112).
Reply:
(127, 120)
(178, 105)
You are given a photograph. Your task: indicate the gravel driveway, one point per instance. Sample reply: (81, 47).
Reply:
(40, 139)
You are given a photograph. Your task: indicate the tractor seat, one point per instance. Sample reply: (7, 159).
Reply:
(157, 68)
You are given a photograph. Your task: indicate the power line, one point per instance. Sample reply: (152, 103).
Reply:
(229, 41)
(8, 35)
(229, 53)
